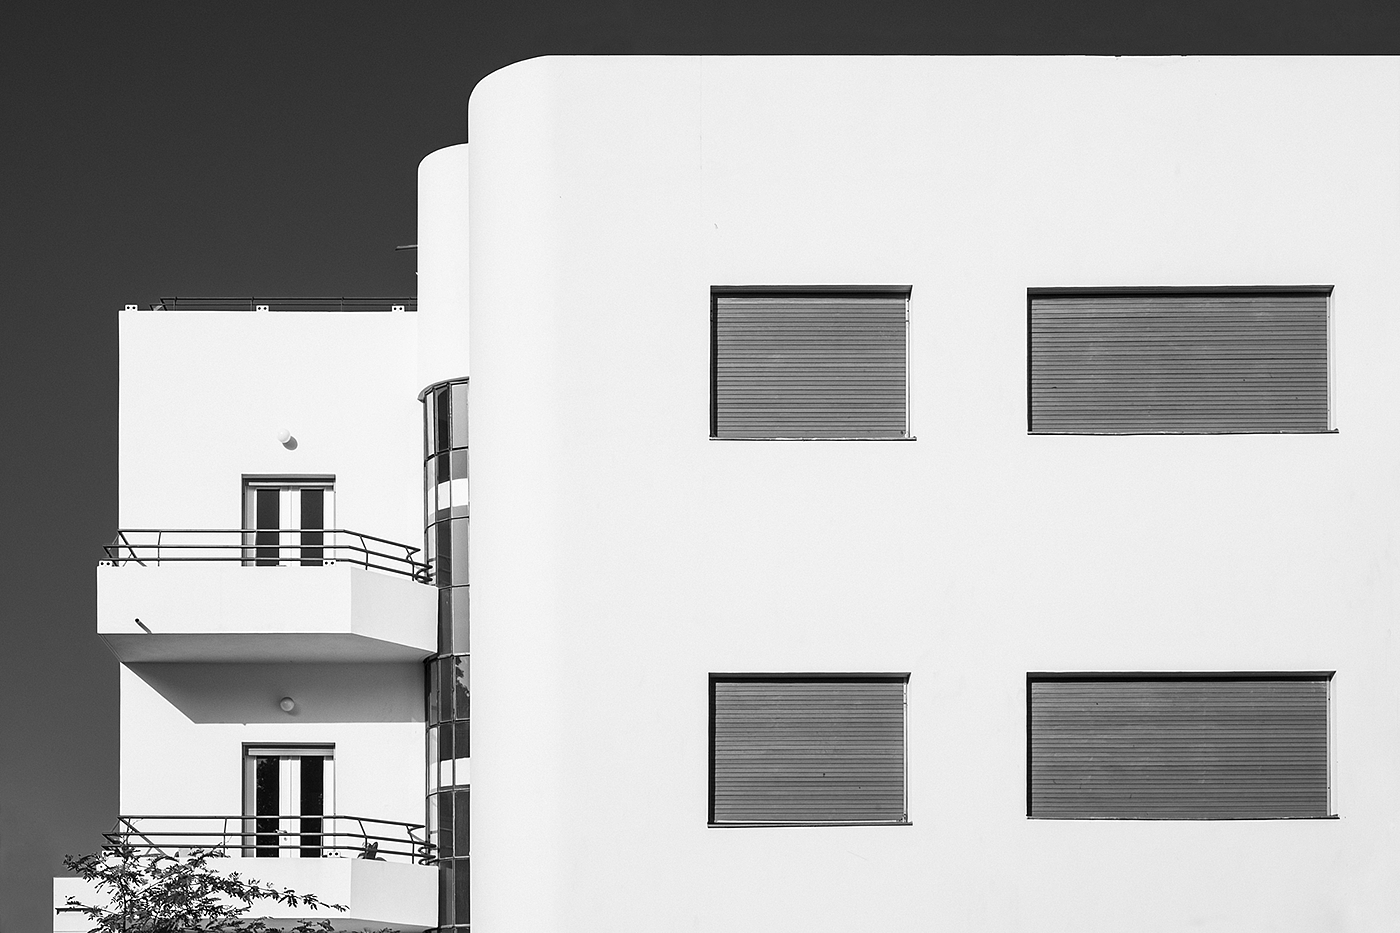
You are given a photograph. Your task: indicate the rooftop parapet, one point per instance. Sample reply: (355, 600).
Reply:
(255, 305)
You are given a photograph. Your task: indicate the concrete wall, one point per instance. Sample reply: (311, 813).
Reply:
(204, 395)
(443, 257)
(619, 555)
(178, 758)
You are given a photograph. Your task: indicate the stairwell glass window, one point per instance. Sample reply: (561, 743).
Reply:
(807, 749)
(809, 363)
(1178, 746)
(1179, 361)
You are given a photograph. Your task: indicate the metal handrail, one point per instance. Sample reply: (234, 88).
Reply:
(304, 835)
(253, 547)
(127, 833)
(285, 304)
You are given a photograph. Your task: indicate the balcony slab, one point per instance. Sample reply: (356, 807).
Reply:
(226, 612)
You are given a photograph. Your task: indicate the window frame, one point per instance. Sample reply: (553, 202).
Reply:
(323, 831)
(1182, 291)
(902, 678)
(1323, 676)
(806, 291)
(293, 545)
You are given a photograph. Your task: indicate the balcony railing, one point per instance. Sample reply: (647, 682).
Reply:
(274, 836)
(286, 304)
(263, 547)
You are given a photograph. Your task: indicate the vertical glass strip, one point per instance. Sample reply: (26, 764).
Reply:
(267, 514)
(445, 835)
(445, 895)
(460, 631)
(462, 685)
(443, 414)
(313, 521)
(463, 889)
(461, 818)
(459, 414)
(445, 511)
(266, 794)
(313, 804)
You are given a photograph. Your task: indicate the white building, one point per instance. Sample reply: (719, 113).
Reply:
(282, 604)
(908, 494)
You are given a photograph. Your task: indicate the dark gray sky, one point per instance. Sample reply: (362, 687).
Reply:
(178, 148)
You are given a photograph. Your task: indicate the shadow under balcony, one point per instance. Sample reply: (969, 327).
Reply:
(253, 595)
(381, 871)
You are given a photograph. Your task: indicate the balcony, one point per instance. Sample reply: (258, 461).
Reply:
(380, 870)
(258, 595)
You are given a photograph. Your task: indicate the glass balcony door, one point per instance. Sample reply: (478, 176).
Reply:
(285, 520)
(287, 792)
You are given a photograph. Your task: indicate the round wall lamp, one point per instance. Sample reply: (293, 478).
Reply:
(284, 437)
(287, 704)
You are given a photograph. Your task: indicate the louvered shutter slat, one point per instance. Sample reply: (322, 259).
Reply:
(1178, 749)
(1178, 363)
(809, 366)
(794, 751)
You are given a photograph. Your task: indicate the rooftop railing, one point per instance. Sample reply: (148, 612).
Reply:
(263, 547)
(285, 304)
(274, 836)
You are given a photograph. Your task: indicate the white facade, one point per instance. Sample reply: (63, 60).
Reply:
(204, 396)
(214, 644)
(620, 556)
(444, 238)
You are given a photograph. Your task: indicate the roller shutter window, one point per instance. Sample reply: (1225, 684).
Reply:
(1175, 361)
(1178, 747)
(808, 749)
(809, 364)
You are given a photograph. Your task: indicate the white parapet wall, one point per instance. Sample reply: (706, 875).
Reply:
(376, 895)
(65, 919)
(224, 611)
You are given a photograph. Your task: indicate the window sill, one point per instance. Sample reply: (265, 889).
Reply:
(1180, 819)
(1049, 433)
(761, 439)
(753, 825)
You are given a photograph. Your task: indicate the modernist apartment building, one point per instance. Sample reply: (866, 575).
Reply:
(287, 595)
(907, 494)
(271, 601)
